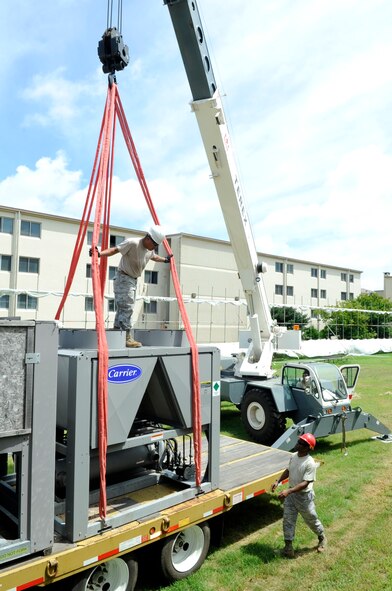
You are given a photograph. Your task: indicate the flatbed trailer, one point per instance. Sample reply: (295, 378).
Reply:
(246, 470)
(52, 528)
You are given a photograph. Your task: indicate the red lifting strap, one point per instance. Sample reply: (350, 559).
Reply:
(99, 190)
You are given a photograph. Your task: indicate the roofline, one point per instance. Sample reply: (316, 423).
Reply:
(175, 235)
(261, 254)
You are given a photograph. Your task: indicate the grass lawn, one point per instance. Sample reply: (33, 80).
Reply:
(353, 499)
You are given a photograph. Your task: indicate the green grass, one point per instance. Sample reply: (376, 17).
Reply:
(354, 501)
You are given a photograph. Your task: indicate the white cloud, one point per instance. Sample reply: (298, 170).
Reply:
(308, 100)
(349, 225)
(57, 98)
(43, 188)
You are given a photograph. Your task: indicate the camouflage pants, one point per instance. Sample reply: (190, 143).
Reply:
(124, 288)
(302, 503)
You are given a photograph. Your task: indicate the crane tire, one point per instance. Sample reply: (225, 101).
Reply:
(260, 418)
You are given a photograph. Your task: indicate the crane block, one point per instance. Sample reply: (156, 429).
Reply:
(112, 51)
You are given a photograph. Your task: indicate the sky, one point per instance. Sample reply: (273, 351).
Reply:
(307, 92)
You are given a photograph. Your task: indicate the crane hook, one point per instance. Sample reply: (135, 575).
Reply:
(112, 51)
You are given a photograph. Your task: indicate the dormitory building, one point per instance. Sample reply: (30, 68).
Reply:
(35, 256)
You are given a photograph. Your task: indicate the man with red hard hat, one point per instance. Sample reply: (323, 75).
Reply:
(299, 497)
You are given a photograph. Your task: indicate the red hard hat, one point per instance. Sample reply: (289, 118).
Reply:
(309, 438)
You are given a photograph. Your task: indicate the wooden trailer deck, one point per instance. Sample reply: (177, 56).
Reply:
(243, 462)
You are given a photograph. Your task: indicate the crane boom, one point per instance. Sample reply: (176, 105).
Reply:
(208, 108)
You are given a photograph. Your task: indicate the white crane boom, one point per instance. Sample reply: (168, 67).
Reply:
(208, 108)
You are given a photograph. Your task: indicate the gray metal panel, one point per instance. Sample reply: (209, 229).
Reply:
(232, 389)
(282, 395)
(87, 339)
(214, 421)
(78, 448)
(161, 338)
(194, 52)
(169, 397)
(44, 436)
(29, 360)
(123, 399)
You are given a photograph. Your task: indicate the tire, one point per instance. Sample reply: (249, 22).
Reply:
(184, 553)
(260, 418)
(117, 574)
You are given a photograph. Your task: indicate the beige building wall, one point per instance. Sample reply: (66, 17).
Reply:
(206, 269)
(209, 280)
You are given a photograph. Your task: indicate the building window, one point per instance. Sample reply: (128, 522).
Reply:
(112, 272)
(28, 265)
(323, 294)
(343, 296)
(313, 272)
(30, 229)
(314, 293)
(150, 308)
(5, 262)
(290, 268)
(351, 278)
(26, 302)
(114, 240)
(323, 274)
(278, 289)
(151, 277)
(279, 267)
(4, 302)
(90, 238)
(290, 290)
(89, 304)
(343, 276)
(7, 225)
(111, 305)
(351, 296)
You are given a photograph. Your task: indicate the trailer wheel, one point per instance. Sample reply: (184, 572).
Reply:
(260, 417)
(184, 553)
(118, 574)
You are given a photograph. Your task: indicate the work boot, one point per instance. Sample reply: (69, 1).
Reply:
(130, 342)
(322, 543)
(288, 550)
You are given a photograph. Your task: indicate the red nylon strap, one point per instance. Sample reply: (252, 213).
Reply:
(196, 412)
(99, 190)
(104, 182)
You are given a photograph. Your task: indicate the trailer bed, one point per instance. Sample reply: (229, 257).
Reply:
(242, 462)
(246, 470)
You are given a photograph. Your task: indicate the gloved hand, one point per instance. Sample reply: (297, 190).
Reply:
(90, 252)
(167, 258)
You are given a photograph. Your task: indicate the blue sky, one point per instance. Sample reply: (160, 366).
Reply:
(307, 89)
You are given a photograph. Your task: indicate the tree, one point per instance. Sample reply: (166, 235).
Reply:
(348, 323)
(287, 316)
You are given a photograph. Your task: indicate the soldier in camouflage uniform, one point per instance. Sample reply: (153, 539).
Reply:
(135, 255)
(299, 497)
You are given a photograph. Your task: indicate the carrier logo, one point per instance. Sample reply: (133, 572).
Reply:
(121, 374)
